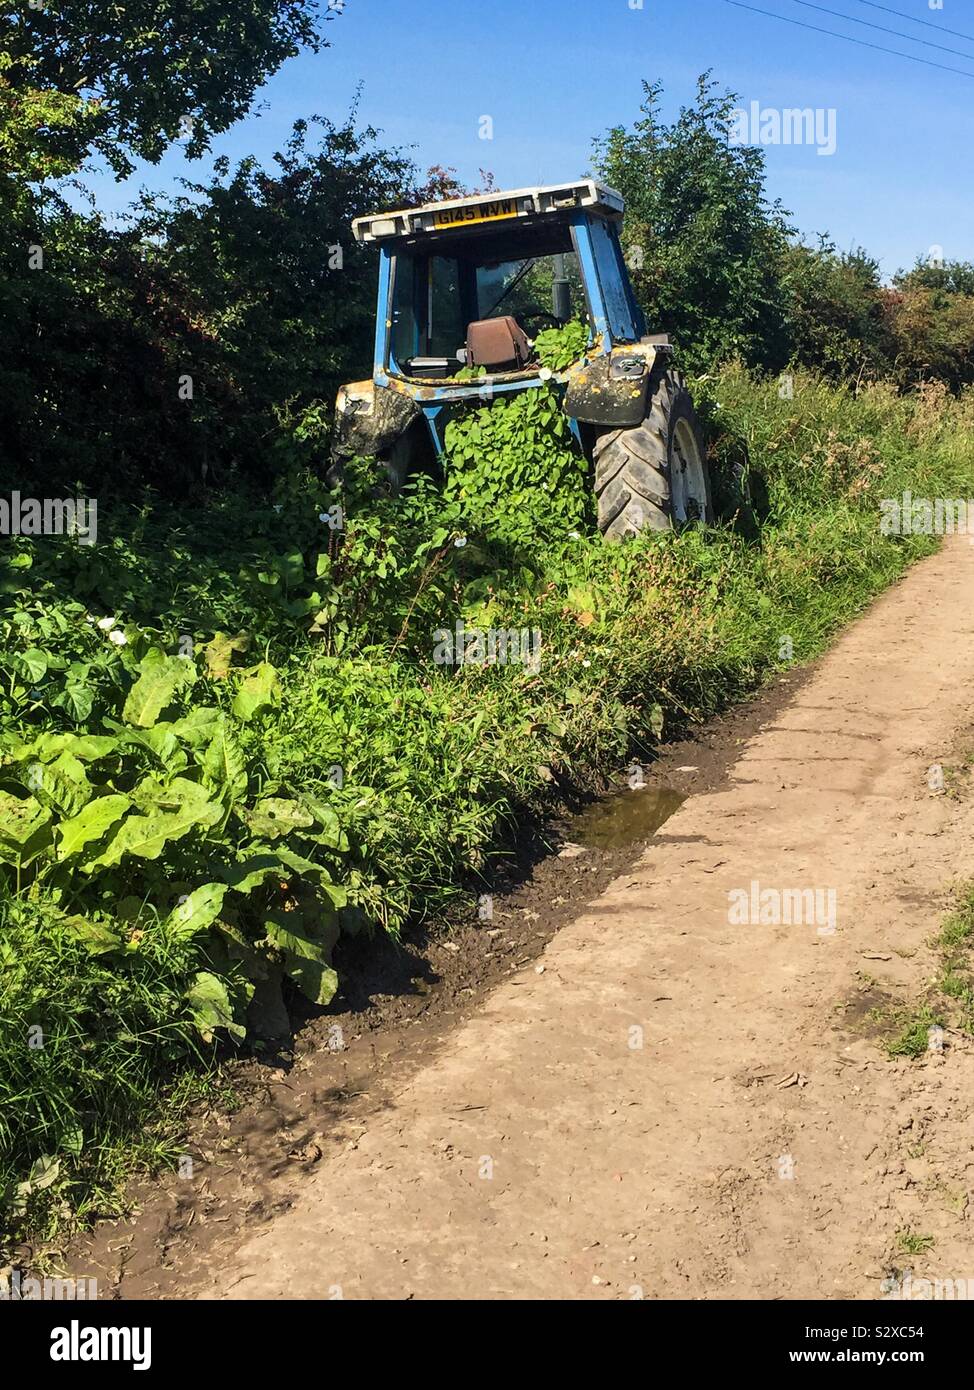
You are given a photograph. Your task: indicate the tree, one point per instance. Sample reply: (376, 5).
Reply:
(836, 311)
(949, 277)
(205, 338)
(702, 241)
(128, 79)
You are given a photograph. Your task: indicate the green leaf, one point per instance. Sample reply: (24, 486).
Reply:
(197, 727)
(20, 818)
(160, 792)
(196, 912)
(98, 939)
(291, 567)
(63, 784)
(298, 864)
(223, 763)
(39, 843)
(160, 679)
(91, 823)
(259, 690)
(161, 742)
(306, 955)
(251, 873)
(77, 699)
(31, 665)
(89, 748)
(43, 1172)
(218, 652)
(331, 833)
(275, 816)
(145, 837)
(210, 1006)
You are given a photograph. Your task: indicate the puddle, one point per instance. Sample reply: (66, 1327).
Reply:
(625, 818)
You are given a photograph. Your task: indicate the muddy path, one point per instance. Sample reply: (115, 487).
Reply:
(637, 1079)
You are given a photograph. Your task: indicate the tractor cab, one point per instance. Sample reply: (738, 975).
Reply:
(465, 287)
(470, 283)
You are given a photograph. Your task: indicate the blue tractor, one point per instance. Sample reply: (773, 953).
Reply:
(465, 288)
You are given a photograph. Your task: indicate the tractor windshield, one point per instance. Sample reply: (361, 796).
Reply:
(437, 299)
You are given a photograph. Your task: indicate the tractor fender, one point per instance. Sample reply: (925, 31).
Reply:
(369, 419)
(612, 390)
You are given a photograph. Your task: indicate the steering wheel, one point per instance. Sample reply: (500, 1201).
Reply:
(533, 313)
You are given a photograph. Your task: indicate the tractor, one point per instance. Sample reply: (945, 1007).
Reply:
(465, 288)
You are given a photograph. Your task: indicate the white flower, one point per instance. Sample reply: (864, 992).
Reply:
(105, 623)
(118, 637)
(460, 542)
(89, 618)
(586, 662)
(574, 536)
(545, 374)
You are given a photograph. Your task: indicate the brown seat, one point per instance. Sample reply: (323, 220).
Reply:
(499, 344)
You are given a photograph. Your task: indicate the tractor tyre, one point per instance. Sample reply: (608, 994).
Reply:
(654, 476)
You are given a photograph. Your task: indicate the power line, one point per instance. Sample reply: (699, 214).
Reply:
(941, 29)
(863, 43)
(883, 28)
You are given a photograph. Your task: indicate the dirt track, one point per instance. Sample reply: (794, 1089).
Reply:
(758, 1143)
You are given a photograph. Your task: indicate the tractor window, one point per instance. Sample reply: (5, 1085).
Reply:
(448, 332)
(526, 288)
(435, 298)
(405, 341)
(426, 314)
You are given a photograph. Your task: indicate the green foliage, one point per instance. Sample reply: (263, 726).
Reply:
(66, 119)
(93, 1020)
(701, 239)
(224, 738)
(716, 265)
(174, 348)
(163, 808)
(149, 821)
(933, 328)
(949, 277)
(558, 348)
(912, 1038)
(836, 317)
(129, 80)
(514, 468)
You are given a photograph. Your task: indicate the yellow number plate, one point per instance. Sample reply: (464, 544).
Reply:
(475, 212)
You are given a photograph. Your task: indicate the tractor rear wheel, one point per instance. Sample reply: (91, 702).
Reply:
(654, 476)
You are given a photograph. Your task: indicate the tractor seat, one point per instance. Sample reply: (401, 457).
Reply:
(498, 344)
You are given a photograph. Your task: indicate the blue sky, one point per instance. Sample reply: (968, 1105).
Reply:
(552, 73)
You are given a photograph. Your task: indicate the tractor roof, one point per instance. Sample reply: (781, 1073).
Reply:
(555, 201)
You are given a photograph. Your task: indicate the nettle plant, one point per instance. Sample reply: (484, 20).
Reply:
(159, 819)
(514, 468)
